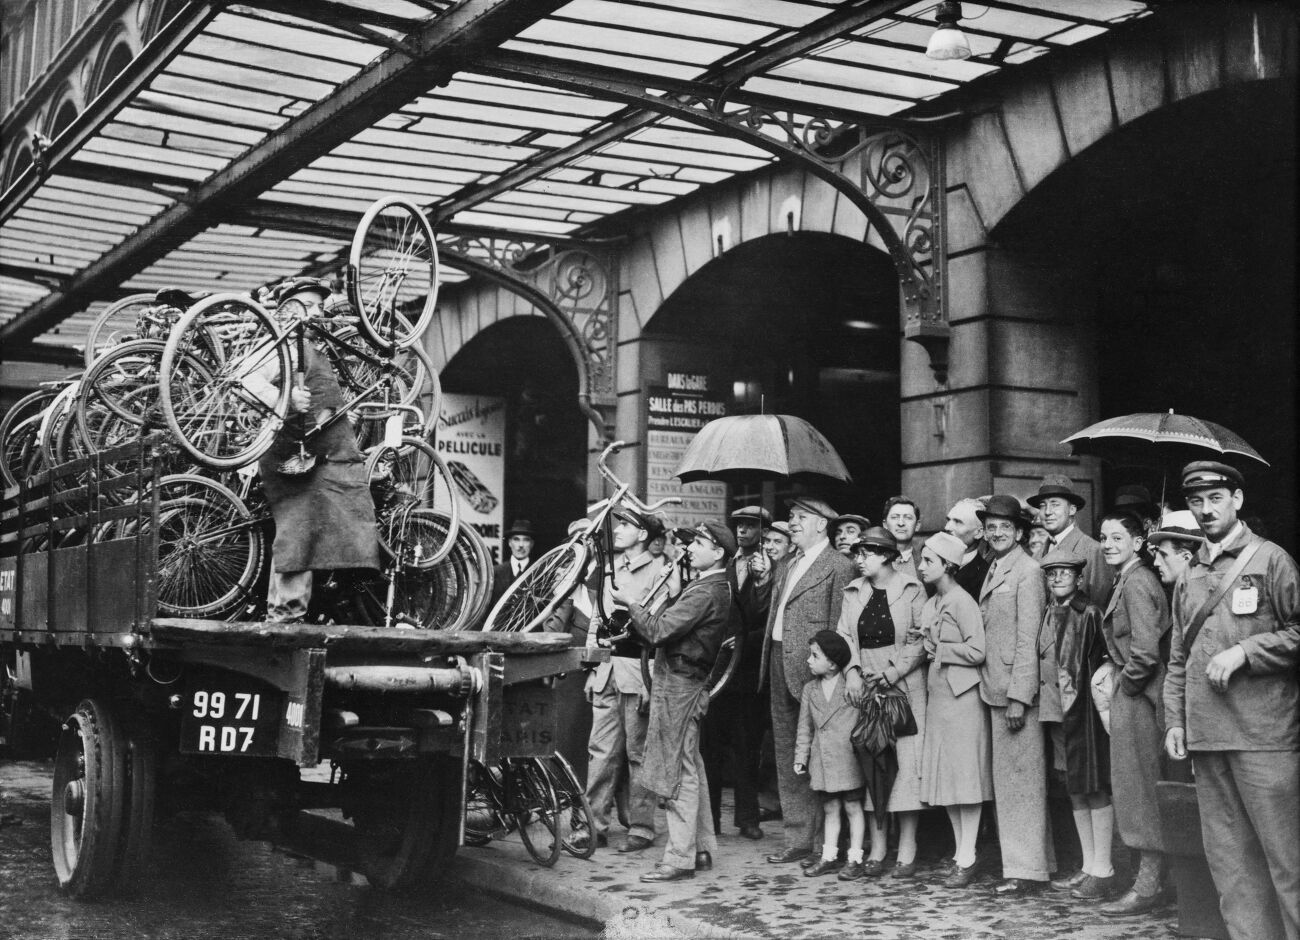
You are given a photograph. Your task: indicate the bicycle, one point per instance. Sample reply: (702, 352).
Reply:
(540, 797)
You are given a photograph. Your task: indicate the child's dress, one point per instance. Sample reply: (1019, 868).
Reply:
(823, 742)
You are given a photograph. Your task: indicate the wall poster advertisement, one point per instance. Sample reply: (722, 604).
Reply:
(675, 412)
(471, 439)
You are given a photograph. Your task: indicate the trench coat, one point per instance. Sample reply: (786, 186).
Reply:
(823, 741)
(693, 625)
(1072, 650)
(324, 518)
(1136, 626)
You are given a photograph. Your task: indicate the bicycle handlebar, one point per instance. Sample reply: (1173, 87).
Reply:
(627, 494)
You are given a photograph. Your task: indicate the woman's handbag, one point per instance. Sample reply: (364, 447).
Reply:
(885, 716)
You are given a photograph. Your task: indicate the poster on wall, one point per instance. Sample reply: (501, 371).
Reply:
(675, 413)
(471, 439)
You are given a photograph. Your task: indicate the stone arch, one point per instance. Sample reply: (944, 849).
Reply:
(1057, 109)
(64, 112)
(19, 161)
(115, 54)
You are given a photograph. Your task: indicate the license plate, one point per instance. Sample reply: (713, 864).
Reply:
(237, 720)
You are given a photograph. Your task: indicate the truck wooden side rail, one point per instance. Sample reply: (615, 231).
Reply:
(147, 714)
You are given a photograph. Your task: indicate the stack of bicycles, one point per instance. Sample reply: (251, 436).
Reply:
(184, 364)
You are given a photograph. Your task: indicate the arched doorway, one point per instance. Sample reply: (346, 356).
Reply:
(524, 361)
(804, 324)
(1185, 223)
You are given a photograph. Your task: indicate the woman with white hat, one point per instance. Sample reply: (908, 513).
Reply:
(955, 765)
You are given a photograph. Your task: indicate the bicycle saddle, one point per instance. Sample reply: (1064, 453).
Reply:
(294, 285)
(181, 299)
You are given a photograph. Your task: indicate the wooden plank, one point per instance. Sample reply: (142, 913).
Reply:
(341, 638)
(1083, 96)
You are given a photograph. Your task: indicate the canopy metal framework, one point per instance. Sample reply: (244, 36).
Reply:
(240, 144)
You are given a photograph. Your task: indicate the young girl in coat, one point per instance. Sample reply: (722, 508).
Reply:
(823, 750)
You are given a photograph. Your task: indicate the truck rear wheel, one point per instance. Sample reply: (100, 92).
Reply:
(88, 798)
(409, 825)
(140, 779)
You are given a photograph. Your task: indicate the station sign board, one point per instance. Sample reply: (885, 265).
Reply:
(675, 412)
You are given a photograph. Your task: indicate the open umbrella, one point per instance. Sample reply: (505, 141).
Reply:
(746, 448)
(1162, 440)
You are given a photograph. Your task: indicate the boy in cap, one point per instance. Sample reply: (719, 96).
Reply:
(1232, 702)
(687, 635)
(807, 591)
(1174, 543)
(777, 543)
(1058, 504)
(824, 752)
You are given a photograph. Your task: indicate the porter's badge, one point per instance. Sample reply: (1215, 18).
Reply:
(1245, 600)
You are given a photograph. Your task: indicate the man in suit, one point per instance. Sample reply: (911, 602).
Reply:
(963, 521)
(616, 691)
(1232, 703)
(807, 591)
(737, 715)
(519, 543)
(902, 520)
(1013, 600)
(1058, 503)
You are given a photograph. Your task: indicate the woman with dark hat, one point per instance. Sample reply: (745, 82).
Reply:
(955, 763)
(881, 620)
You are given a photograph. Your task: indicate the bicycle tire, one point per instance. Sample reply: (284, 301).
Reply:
(20, 443)
(58, 411)
(535, 593)
(406, 478)
(125, 369)
(577, 824)
(210, 548)
(535, 810)
(15, 444)
(393, 269)
(214, 418)
(115, 325)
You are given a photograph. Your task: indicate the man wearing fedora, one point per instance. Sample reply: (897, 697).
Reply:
(738, 713)
(687, 635)
(1174, 543)
(615, 689)
(807, 591)
(1058, 504)
(519, 543)
(1232, 703)
(1013, 600)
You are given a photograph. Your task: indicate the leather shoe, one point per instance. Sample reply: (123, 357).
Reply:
(751, 832)
(1130, 904)
(703, 861)
(850, 872)
(583, 839)
(768, 815)
(787, 855)
(1067, 882)
(635, 844)
(1093, 888)
(668, 873)
(1015, 888)
(873, 868)
(823, 867)
(960, 877)
(810, 861)
(903, 872)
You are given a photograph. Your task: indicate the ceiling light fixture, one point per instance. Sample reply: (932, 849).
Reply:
(948, 41)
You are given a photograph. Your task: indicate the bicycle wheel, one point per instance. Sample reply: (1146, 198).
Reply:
(207, 403)
(536, 592)
(18, 432)
(117, 324)
(123, 380)
(209, 548)
(52, 420)
(576, 823)
(533, 803)
(393, 269)
(403, 479)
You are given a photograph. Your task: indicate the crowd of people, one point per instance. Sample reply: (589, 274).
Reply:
(1007, 649)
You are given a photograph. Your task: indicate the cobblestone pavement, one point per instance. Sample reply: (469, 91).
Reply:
(745, 896)
(204, 883)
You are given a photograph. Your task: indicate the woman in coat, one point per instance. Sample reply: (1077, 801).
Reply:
(1136, 626)
(881, 620)
(955, 764)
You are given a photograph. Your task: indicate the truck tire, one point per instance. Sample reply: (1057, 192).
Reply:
(139, 785)
(88, 795)
(408, 828)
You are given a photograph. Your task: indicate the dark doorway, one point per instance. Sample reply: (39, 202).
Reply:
(805, 324)
(524, 361)
(1186, 219)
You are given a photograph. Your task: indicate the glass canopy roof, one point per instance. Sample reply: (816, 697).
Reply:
(485, 149)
